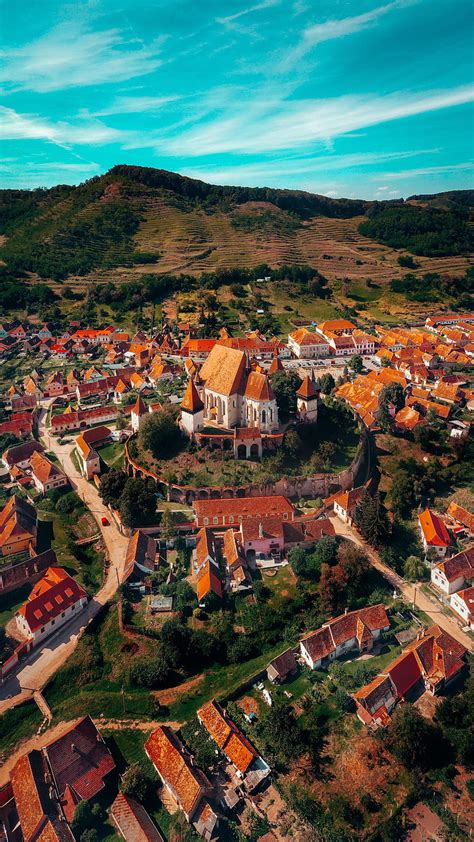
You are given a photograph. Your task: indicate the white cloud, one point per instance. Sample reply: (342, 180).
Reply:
(265, 4)
(259, 127)
(136, 105)
(447, 168)
(70, 55)
(335, 28)
(15, 126)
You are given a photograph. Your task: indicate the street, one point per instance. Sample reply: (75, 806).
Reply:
(41, 664)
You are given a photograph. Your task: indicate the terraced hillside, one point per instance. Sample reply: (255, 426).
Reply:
(134, 221)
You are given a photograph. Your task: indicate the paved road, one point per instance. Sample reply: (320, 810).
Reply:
(41, 665)
(430, 606)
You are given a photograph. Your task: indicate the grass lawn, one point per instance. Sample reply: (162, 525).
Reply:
(282, 583)
(10, 603)
(112, 454)
(389, 652)
(18, 724)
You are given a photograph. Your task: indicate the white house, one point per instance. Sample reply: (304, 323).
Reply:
(54, 600)
(463, 604)
(345, 503)
(45, 474)
(306, 345)
(352, 630)
(451, 575)
(434, 535)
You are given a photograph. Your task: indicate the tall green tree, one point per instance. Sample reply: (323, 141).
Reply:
(285, 384)
(371, 519)
(160, 433)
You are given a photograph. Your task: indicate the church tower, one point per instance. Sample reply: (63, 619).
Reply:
(192, 410)
(307, 401)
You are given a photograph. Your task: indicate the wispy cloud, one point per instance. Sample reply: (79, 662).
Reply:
(335, 28)
(70, 55)
(135, 105)
(258, 7)
(271, 171)
(15, 126)
(437, 170)
(259, 127)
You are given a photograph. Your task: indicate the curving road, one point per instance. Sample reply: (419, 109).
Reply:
(409, 591)
(41, 664)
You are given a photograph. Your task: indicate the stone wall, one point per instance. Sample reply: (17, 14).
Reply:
(319, 485)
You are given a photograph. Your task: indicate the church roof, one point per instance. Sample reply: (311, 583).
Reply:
(258, 387)
(276, 365)
(191, 401)
(224, 370)
(139, 407)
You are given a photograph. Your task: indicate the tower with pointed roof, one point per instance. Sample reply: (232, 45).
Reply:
(139, 411)
(307, 400)
(192, 410)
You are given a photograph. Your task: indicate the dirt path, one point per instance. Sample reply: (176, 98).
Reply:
(409, 591)
(46, 737)
(41, 665)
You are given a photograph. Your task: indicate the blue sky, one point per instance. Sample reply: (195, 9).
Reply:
(367, 99)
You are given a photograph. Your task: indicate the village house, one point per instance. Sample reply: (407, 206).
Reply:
(86, 443)
(132, 820)
(461, 516)
(352, 631)
(434, 535)
(248, 766)
(46, 474)
(282, 667)
(432, 662)
(452, 574)
(238, 574)
(462, 604)
(307, 345)
(20, 454)
(18, 526)
(206, 566)
(141, 555)
(345, 503)
(33, 804)
(186, 783)
(232, 511)
(53, 601)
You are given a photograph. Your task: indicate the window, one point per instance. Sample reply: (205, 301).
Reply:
(206, 521)
(231, 518)
(215, 520)
(42, 630)
(285, 515)
(53, 622)
(63, 614)
(73, 607)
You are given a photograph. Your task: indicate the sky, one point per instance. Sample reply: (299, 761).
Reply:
(356, 98)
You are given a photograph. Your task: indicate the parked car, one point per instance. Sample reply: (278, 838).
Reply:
(104, 521)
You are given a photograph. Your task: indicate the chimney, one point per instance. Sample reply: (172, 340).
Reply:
(346, 610)
(73, 747)
(260, 530)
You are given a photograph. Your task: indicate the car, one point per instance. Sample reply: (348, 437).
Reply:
(104, 521)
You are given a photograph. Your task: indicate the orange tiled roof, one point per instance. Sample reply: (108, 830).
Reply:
(191, 401)
(307, 388)
(227, 736)
(244, 507)
(258, 387)
(461, 515)
(43, 469)
(407, 418)
(166, 753)
(223, 371)
(434, 529)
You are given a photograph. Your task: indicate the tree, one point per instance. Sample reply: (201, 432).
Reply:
(392, 399)
(411, 738)
(280, 732)
(356, 363)
(414, 568)
(292, 443)
(160, 433)
(121, 421)
(83, 818)
(167, 529)
(111, 487)
(327, 383)
(371, 519)
(285, 384)
(136, 783)
(152, 674)
(137, 503)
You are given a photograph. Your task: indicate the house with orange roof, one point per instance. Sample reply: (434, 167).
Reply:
(46, 475)
(206, 566)
(434, 534)
(39, 814)
(54, 600)
(345, 503)
(187, 784)
(407, 419)
(307, 345)
(431, 662)
(336, 326)
(354, 630)
(248, 766)
(18, 526)
(232, 511)
(461, 516)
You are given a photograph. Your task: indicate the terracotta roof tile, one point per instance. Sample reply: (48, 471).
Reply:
(166, 753)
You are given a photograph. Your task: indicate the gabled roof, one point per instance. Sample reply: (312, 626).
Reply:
(275, 365)
(223, 371)
(227, 735)
(80, 762)
(433, 528)
(139, 407)
(43, 469)
(22, 452)
(187, 782)
(133, 821)
(141, 550)
(348, 500)
(191, 401)
(461, 564)
(244, 507)
(52, 595)
(461, 515)
(283, 664)
(208, 581)
(404, 672)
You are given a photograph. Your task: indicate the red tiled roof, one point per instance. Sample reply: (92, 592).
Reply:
(43, 469)
(404, 672)
(228, 737)
(461, 515)
(258, 387)
(191, 401)
(133, 821)
(307, 388)
(52, 595)
(244, 506)
(80, 761)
